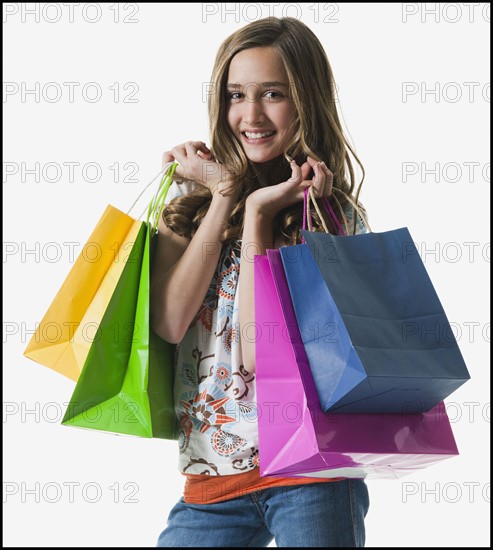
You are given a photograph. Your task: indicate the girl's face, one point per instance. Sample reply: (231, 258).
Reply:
(259, 110)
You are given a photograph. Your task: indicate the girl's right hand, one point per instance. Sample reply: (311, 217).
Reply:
(196, 164)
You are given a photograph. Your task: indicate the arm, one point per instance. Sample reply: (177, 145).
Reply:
(257, 237)
(261, 208)
(183, 270)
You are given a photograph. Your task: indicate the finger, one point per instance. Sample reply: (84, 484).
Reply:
(197, 146)
(318, 181)
(329, 180)
(180, 156)
(305, 170)
(196, 149)
(311, 161)
(204, 156)
(167, 157)
(191, 149)
(296, 173)
(201, 145)
(180, 153)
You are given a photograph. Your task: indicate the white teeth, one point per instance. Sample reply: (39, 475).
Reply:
(251, 135)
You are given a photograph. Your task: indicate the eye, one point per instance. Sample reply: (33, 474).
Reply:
(234, 96)
(272, 94)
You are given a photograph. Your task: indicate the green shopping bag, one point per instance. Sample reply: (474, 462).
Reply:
(126, 383)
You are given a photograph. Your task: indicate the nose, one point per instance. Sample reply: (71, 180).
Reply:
(253, 110)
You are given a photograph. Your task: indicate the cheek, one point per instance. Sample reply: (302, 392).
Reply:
(232, 118)
(285, 116)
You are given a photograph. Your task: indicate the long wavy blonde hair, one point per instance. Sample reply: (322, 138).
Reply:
(318, 134)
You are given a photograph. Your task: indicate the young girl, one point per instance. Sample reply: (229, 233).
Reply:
(274, 131)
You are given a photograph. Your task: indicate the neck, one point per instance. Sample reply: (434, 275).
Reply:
(272, 172)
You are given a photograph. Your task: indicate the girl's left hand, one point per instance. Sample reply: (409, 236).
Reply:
(272, 199)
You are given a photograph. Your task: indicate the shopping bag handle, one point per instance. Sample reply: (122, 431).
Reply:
(332, 216)
(307, 215)
(308, 198)
(156, 205)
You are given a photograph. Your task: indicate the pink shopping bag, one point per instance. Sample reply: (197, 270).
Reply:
(296, 438)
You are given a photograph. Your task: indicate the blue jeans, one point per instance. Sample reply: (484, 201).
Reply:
(316, 514)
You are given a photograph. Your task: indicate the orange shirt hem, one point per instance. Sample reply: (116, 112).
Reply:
(204, 489)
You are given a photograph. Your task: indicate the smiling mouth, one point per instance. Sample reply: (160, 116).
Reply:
(258, 137)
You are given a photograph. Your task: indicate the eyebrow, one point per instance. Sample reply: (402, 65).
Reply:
(263, 84)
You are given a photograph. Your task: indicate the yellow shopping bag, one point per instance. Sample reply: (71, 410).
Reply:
(63, 338)
(65, 335)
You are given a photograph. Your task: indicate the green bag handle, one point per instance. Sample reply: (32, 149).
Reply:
(156, 205)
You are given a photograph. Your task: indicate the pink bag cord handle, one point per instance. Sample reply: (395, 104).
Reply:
(328, 209)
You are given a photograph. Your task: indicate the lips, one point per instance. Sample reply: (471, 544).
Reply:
(259, 135)
(258, 138)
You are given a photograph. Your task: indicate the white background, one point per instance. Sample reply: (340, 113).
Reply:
(169, 52)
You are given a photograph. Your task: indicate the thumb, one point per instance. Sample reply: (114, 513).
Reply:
(205, 156)
(296, 173)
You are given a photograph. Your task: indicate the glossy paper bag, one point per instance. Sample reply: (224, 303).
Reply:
(126, 371)
(375, 333)
(126, 385)
(63, 338)
(296, 438)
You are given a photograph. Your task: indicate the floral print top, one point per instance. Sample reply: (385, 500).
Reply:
(214, 395)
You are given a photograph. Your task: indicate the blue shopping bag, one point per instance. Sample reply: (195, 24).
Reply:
(375, 333)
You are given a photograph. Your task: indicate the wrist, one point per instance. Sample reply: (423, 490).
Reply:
(219, 187)
(218, 179)
(262, 213)
(222, 187)
(222, 205)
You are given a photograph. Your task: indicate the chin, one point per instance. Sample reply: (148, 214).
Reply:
(263, 158)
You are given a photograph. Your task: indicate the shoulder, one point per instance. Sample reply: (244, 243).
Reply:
(180, 189)
(361, 227)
